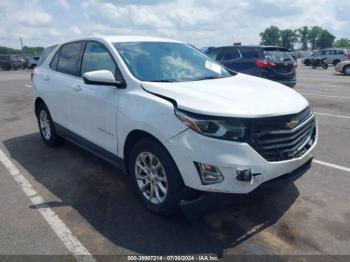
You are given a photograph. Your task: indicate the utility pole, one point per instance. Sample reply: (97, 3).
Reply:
(20, 39)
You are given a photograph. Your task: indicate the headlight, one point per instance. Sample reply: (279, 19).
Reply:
(222, 128)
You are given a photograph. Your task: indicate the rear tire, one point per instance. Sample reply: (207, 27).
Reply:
(46, 126)
(325, 66)
(335, 62)
(307, 63)
(155, 177)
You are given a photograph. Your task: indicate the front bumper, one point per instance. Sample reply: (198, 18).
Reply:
(228, 156)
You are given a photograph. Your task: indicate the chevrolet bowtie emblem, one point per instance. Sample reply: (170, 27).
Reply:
(292, 124)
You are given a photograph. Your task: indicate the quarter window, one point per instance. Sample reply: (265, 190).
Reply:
(215, 54)
(97, 57)
(69, 59)
(230, 54)
(54, 61)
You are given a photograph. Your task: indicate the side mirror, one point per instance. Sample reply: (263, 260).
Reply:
(102, 77)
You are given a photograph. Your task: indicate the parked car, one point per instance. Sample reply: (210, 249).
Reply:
(33, 61)
(270, 62)
(9, 62)
(343, 67)
(178, 122)
(334, 55)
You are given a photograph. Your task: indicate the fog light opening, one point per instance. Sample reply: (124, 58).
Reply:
(208, 174)
(246, 175)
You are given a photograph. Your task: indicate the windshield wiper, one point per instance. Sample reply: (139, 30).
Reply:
(207, 78)
(162, 80)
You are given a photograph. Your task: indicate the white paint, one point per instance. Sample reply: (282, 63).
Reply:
(57, 225)
(343, 168)
(28, 86)
(338, 116)
(309, 94)
(316, 85)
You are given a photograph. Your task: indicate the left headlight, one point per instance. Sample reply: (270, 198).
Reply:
(233, 129)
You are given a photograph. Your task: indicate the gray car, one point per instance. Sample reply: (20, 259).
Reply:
(334, 55)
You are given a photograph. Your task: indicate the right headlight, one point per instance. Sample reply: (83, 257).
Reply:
(233, 129)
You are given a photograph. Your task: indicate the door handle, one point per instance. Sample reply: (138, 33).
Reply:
(46, 77)
(77, 87)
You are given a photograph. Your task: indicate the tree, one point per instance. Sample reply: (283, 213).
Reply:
(342, 42)
(25, 51)
(314, 34)
(271, 36)
(288, 38)
(325, 39)
(303, 35)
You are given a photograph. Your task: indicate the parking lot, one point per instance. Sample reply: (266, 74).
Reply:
(96, 211)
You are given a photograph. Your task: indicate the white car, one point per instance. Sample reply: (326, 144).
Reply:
(343, 67)
(180, 123)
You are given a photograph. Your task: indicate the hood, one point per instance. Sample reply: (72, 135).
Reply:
(237, 96)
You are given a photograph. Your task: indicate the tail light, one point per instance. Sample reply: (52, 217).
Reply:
(31, 75)
(295, 64)
(264, 63)
(347, 56)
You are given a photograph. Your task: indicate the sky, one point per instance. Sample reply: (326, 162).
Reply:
(199, 22)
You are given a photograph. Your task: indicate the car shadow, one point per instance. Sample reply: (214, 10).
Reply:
(103, 197)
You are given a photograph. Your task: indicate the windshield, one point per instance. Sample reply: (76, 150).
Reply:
(277, 56)
(168, 62)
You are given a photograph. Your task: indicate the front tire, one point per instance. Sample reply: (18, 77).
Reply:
(155, 176)
(46, 126)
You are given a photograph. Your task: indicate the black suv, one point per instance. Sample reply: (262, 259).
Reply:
(270, 62)
(8, 62)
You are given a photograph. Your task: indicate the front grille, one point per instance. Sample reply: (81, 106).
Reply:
(283, 137)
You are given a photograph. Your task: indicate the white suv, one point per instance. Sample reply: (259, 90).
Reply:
(180, 123)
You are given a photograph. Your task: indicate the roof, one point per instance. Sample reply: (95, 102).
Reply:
(123, 38)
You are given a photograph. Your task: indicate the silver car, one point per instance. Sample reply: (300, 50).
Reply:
(334, 55)
(343, 67)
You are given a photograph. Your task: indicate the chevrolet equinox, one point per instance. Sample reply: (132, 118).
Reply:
(173, 118)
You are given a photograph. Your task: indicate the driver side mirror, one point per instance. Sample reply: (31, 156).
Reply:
(102, 77)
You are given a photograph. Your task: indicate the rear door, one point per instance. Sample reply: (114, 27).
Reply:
(60, 81)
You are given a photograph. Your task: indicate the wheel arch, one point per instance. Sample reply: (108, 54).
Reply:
(132, 138)
(37, 102)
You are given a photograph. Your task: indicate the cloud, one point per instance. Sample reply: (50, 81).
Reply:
(201, 22)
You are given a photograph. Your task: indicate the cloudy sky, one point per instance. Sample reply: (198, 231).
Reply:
(200, 22)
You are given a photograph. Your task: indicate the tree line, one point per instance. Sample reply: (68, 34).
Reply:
(305, 37)
(24, 52)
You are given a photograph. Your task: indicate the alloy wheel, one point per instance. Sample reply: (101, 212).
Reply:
(45, 125)
(151, 178)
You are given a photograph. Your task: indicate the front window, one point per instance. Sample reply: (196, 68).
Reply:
(168, 62)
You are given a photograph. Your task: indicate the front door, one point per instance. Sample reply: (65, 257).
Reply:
(94, 107)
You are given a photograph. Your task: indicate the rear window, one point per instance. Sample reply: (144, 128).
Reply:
(44, 55)
(277, 56)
